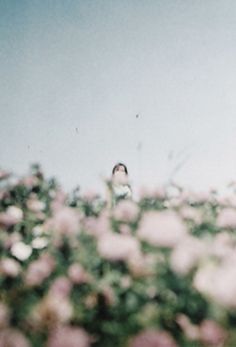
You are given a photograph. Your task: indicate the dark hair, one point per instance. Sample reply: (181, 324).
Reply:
(116, 166)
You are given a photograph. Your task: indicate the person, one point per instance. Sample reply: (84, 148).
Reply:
(119, 187)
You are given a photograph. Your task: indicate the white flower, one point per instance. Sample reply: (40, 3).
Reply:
(38, 230)
(39, 242)
(21, 251)
(35, 205)
(15, 213)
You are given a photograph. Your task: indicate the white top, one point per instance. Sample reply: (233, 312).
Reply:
(122, 191)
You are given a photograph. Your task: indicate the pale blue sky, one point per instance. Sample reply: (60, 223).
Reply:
(74, 75)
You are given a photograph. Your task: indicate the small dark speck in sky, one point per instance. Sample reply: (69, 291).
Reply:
(139, 146)
(170, 155)
(137, 116)
(76, 129)
(28, 147)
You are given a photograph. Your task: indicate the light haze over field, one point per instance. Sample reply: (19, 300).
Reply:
(85, 84)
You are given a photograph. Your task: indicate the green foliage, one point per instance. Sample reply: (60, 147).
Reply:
(112, 302)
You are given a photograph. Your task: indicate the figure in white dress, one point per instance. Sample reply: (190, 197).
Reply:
(119, 185)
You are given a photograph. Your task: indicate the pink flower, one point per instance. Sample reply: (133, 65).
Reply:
(68, 337)
(12, 216)
(77, 274)
(153, 338)
(141, 265)
(163, 229)
(97, 226)
(152, 193)
(222, 245)
(52, 311)
(126, 211)
(218, 281)
(125, 229)
(191, 213)
(186, 254)
(116, 247)
(232, 200)
(64, 222)
(9, 267)
(227, 218)
(35, 205)
(90, 195)
(39, 270)
(61, 287)
(13, 338)
(201, 197)
(30, 181)
(59, 200)
(212, 334)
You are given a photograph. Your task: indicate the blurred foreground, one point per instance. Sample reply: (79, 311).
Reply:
(158, 272)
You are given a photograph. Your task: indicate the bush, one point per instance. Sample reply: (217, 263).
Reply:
(160, 271)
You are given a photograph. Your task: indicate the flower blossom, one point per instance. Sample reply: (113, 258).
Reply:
(67, 336)
(218, 282)
(126, 211)
(21, 251)
(163, 229)
(9, 267)
(146, 192)
(52, 311)
(227, 218)
(153, 338)
(117, 247)
(12, 216)
(223, 245)
(97, 226)
(64, 221)
(186, 254)
(39, 270)
(212, 334)
(78, 274)
(191, 213)
(59, 200)
(61, 287)
(40, 242)
(13, 338)
(34, 204)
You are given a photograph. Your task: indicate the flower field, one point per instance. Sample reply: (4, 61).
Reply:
(156, 272)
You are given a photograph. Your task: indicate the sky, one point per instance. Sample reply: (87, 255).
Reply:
(151, 83)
